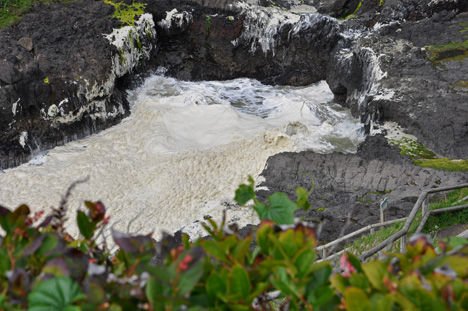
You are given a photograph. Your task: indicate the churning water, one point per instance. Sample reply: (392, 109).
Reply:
(183, 151)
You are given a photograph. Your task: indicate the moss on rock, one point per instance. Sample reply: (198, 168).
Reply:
(126, 13)
(426, 158)
(443, 164)
(453, 51)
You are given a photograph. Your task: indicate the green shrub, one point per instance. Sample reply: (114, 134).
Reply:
(44, 268)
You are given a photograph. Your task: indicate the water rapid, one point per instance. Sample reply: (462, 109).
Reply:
(183, 151)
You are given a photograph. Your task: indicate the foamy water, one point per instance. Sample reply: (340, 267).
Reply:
(183, 151)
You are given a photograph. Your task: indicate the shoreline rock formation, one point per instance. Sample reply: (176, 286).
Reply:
(346, 189)
(62, 78)
(65, 67)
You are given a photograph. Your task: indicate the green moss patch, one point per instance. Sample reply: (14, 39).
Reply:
(443, 164)
(461, 86)
(11, 11)
(412, 148)
(452, 51)
(456, 51)
(126, 13)
(426, 158)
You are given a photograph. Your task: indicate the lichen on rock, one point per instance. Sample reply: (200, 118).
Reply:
(129, 42)
(126, 13)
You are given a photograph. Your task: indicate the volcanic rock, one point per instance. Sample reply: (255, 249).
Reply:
(346, 189)
(60, 77)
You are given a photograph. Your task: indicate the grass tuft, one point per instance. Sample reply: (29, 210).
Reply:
(11, 11)
(432, 226)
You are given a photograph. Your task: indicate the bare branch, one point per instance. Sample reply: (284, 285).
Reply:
(59, 214)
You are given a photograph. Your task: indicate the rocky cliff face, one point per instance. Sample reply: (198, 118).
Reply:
(385, 63)
(62, 68)
(412, 74)
(226, 40)
(346, 189)
(59, 75)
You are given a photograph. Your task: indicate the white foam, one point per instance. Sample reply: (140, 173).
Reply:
(178, 18)
(183, 151)
(14, 106)
(23, 138)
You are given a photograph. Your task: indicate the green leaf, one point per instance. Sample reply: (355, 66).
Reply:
(304, 262)
(55, 294)
(241, 249)
(4, 215)
(456, 241)
(302, 198)
(239, 282)
(262, 211)
(190, 277)
(215, 285)
(5, 263)
(281, 209)
(411, 288)
(186, 240)
(244, 194)
(320, 274)
(19, 216)
(50, 243)
(458, 262)
(213, 224)
(376, 271)
(339, 282)
(85, 225)
(155, 289)
(263, 233)
(359, 280)
(229, 243)
(284, 284)
(214, 249)
(356, 300)
(381, 303)
(286, 242)
(320, 295)
(253, 255)
(355, 262)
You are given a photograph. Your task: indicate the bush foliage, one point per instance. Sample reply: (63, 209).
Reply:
(44, 268)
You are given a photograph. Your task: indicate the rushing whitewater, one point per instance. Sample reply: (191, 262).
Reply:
(183, 152)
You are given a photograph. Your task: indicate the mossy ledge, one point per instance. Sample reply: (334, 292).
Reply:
(126, 13)
(453, 51)
(423, 157)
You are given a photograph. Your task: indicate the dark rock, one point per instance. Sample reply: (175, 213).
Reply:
(348, 188)
(8, 73)
(335, 8)
(229, 40)
(59, 79)
(27, 43)
(392, 75)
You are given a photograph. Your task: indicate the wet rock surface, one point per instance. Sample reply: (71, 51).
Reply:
(347, 189)
(418, 80)
(227, 39)
(379, 63)
(57, 78)
(386, 64)
(398, 60)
